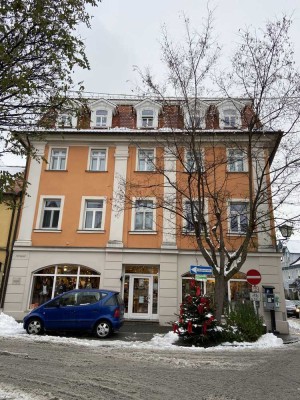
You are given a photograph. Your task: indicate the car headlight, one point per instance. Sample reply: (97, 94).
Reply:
(297, 309)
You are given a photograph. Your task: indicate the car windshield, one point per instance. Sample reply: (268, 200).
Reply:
(289, 303)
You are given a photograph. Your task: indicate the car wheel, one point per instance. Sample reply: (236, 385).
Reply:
(35, 327)
(103, 329)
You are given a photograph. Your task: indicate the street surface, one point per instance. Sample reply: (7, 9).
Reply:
(53, 371)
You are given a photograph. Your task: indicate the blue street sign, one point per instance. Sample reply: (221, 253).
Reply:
(200, 269)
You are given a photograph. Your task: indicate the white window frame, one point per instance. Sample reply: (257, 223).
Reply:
(138, 150)
(103, 105)
(84, 199)
(40, 215)
(202, 151)
(185, 231)
(236, 107)
(50, 157)
(147, 104)
(237, 201)
(90, 158)
(72, 120)
(133, 215)
(101, 125)
(245, 164)
(196, 113)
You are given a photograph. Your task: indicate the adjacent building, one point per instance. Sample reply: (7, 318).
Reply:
(76, 230)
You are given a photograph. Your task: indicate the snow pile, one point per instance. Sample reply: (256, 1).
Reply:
(265, 341)
(294, 326)
(9, 326)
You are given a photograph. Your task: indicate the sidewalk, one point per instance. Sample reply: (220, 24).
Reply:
(144, 331)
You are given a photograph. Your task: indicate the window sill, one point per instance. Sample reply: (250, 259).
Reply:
(237, 172)
(92, 171)
(142, 232)
(47, 230)
(143, 172)
(238, 234)
(90, 231)
(56, 170)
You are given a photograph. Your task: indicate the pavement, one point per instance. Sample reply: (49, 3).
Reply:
(145, 330)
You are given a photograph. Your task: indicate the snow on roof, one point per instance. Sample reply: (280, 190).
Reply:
(293, 246)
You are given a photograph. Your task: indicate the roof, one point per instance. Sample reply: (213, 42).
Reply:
(293, 246)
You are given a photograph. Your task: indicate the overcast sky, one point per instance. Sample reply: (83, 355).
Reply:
(127, 32)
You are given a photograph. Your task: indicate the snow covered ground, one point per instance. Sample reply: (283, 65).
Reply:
(10, 328)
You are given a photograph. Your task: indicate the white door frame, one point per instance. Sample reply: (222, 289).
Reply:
(130, 314)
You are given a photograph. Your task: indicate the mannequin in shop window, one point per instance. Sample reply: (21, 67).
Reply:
(61, 288)
(45, 291)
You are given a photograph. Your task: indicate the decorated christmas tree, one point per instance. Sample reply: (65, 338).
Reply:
(196, 324)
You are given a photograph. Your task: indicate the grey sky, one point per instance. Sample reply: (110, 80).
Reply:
(127, 32)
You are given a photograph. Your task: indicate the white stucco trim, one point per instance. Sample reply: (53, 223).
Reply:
(40, 211)
(81, 228)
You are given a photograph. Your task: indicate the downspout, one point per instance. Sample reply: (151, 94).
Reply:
(10, 253)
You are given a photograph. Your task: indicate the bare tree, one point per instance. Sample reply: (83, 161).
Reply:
(193, 180)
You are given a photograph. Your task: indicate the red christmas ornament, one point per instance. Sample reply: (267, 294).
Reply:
(192, 283)
(198, 291)
(190, 327)
(200, 308)
(190, 299)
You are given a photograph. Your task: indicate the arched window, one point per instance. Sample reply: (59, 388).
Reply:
(53, 280)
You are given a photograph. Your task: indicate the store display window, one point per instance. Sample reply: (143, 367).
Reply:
(54, 280)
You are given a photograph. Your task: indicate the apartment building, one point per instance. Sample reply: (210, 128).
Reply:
(78, 230)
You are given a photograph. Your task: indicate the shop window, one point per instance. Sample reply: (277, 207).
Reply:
(54, 280)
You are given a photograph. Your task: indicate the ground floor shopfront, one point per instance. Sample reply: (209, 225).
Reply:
(152, 282)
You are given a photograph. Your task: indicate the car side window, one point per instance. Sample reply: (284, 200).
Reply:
(85, 298)
(112, 301)
(53, 304)
(68, 299)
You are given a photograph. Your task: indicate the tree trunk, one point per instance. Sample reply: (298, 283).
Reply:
(220, 289)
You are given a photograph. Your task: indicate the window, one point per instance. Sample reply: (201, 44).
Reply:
(230, 119)
(51, 213)
(93, 214)
(192, 159)
(101, 118)
(236, 160)
(58, 159)
(145, 160)
(143, 220)
(188, 221)
(64, 121)
(147, 118)
(97, 160)
(238, 216)
(54, 280)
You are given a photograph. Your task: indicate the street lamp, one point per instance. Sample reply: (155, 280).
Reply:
(286, 231)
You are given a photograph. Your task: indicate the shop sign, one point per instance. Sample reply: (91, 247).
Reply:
(202, 278)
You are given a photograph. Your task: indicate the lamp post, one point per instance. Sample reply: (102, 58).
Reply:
(286, 231)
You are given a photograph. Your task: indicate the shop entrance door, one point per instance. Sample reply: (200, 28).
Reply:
(142, 296)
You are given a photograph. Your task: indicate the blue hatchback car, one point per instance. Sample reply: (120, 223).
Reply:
(91, 310)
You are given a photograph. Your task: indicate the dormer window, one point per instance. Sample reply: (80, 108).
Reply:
(102, 112)
(66, 120)
(147, 118)
(230, 114)
(195, 114)
(230, 118)
(101, 118)
(147, 112)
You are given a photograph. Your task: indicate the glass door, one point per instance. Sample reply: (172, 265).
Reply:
(141, 296)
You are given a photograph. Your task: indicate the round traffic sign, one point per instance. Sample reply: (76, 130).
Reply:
(253, 277)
